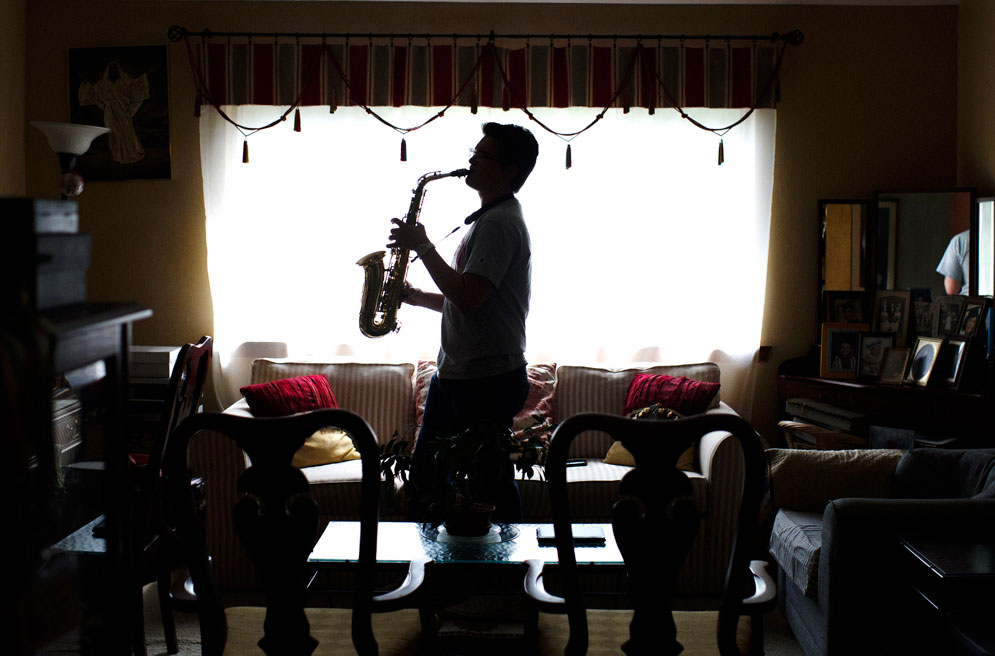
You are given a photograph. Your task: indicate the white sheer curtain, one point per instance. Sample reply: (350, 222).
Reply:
(644, 250)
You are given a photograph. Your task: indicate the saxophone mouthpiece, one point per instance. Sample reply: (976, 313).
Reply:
(459, 173)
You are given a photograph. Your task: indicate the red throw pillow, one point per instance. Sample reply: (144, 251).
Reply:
(289, 396)
(685, 395)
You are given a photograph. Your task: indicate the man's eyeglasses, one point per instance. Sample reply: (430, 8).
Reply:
(481, 154)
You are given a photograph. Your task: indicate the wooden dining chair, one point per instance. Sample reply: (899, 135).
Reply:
(154, 559)
(277, 523)
(654, 522)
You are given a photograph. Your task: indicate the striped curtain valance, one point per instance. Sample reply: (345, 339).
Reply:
(662, 74)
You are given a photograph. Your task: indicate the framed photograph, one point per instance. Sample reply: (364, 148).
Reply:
(891, 314)
(972, 315)
(872, 348)
(840, 348)
(924, 357)
(127, 90)
(893, 366)
(946, 312)
(950, 367)
(846, 307)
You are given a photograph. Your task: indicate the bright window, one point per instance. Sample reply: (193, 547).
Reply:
(645, 249)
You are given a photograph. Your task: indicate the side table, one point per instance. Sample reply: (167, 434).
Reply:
(953, 587)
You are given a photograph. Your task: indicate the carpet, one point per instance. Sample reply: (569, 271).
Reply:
(778, 640)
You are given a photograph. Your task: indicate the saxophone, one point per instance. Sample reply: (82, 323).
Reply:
(382, 287)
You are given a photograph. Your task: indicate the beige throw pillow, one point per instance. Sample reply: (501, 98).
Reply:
(324, 447)
(619, 455)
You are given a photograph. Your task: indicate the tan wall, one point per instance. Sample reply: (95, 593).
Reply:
(12, 122)
(867, 104)
(976, 96)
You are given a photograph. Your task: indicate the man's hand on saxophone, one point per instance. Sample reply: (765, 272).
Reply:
(407, 236)
(467, 292)
(417, 297)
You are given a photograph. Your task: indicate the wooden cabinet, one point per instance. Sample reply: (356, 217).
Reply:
(935, 412)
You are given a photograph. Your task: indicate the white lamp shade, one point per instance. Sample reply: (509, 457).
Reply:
(71, 138)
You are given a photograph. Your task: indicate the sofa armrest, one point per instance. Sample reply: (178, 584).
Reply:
(220, 462)
(859, 544)
(717, 457)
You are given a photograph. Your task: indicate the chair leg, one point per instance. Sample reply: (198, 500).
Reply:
(757, 634)
(427, 616)
(138, 621)
(163, 583)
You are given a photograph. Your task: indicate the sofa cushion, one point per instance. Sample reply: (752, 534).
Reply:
(289, 396)
(946, 474)
(683, 394)
(596, 389)
(805, 480)
(795, 543)
(380, 393)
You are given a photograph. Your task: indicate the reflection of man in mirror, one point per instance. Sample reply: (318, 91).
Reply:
(953, 265)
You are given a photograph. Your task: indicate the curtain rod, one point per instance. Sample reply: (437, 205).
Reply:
(794, 37)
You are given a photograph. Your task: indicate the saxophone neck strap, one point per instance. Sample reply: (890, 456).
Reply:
(472, 218)
(487, 206)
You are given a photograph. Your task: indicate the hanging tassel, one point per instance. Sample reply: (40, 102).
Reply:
(722, 153)
(569, 157)
(196, 106)
(297, 120)
(404, 150)
(625, 106)
(245, 151)
(335, 102)
(473, 103)
(506, 101)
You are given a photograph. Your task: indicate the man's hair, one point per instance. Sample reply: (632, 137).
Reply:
(518, 148)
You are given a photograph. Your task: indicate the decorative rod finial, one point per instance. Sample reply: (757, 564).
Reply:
(176, 33)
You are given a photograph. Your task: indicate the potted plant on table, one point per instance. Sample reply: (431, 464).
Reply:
(473, 460)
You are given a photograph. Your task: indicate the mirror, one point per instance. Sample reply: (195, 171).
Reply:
(843, 245)
(911, 234)
(984, 254)
(843, 254)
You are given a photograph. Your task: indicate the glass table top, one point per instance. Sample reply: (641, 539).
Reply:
(401, 542)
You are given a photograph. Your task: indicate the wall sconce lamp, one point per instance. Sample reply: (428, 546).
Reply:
(69, 141)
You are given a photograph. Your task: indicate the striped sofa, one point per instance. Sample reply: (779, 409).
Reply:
(388, 395)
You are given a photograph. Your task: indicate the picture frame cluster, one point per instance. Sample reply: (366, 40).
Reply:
(903, 337)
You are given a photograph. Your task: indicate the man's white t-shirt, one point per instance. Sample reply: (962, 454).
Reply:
(491, 339)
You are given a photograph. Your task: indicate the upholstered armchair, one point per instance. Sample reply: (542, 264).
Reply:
(838, 517)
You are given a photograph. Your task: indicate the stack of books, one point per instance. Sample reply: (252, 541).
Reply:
(43, 257)
(152, 361)
(826, 416)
